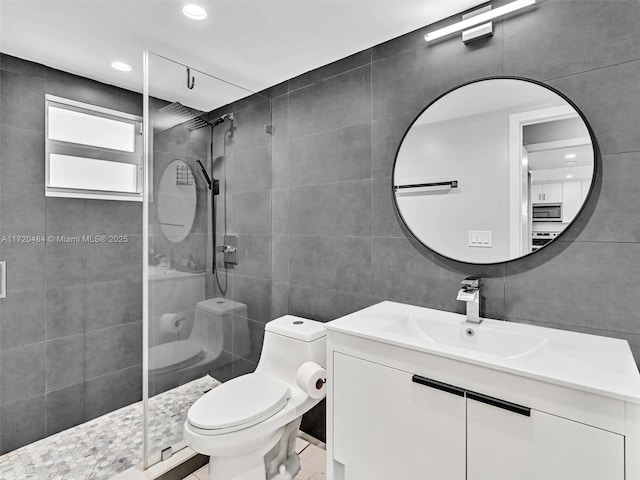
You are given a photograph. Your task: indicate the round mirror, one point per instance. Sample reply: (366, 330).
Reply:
(493, 170)
(177, 200)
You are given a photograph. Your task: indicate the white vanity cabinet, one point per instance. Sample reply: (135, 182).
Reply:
(379, 437)
(505, 445)
(402, 403)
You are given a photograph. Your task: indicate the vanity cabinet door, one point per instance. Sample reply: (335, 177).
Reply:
(503, 445)
(386, 426)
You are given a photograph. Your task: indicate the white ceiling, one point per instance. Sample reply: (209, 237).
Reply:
(252, 43)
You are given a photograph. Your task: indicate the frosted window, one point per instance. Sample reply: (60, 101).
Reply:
(66, 171)
(85, 129)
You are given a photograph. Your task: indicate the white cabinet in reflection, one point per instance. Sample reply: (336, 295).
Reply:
(546, 193)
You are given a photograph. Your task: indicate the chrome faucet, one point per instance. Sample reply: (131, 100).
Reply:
(470, 292)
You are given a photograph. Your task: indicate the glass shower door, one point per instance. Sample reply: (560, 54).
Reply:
(205, 138)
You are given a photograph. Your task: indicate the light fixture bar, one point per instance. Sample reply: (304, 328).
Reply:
(478, 19)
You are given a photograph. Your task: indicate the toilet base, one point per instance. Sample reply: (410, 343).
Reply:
(248, 467)
(264, 463)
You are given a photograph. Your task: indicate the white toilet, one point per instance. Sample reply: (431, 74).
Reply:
(248, 425)
(176, 362)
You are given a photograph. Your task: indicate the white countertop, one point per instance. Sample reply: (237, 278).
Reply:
(590, 363)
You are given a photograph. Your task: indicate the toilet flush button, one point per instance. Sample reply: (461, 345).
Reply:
(298, 322)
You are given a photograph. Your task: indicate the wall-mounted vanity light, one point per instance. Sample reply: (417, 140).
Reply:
(477, 24)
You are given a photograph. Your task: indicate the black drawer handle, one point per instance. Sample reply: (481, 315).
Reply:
(445, 387)
(496, 402)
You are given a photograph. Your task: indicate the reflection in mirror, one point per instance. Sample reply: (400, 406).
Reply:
(176, 201)
(493, 170)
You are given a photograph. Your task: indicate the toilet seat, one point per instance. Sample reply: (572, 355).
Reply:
(171, 356)
(239, 403)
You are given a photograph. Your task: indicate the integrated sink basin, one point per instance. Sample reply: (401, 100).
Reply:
(586, 362)
(477, 338)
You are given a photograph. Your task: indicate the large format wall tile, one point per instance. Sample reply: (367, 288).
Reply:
(324, 304)
(402, 273)
(65, 362)
(23, 319)
(280, 119)
(65, 311)
(111, 349)
(610, 99)
(23, 67)
(110, 392)
(412, 79)
(580, 35)
(334, 103)
(251, 170)
(22, 209)
(106, 217)
(279, 299)
(337, 263)
(65, 263)
(252, 212)
(67, 216)
(22, 100)
(342, 209)
(333, 156)
(22, 423)
(254, 256)
(330, 70)
(110, 303)
(280, 258)
(25, 266)
(609, 216)
(386, 134)
(255, 293)
(22, 374)
(22, 158)
(248, 126)
(581, 284)
(385, 221)
(64, 408)
(280, 211)
(83, 89)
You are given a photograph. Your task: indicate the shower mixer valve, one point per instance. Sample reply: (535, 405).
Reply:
(229, 250)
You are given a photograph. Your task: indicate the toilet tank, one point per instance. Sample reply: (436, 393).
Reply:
(213, 323)
(290, 341)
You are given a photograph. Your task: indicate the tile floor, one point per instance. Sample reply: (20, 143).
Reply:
(107, 445)
(312, 461)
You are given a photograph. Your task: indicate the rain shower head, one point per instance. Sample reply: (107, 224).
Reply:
(179, 114)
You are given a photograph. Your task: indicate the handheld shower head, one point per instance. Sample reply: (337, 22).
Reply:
(204, 172)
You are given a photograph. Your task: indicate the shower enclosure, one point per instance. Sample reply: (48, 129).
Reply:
(207, 241)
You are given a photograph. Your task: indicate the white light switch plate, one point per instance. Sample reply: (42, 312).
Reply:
(480, 239)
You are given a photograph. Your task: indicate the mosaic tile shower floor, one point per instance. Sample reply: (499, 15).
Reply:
(107, 445)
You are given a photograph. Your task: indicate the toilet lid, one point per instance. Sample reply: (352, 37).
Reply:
(240, 401)
(173, 355)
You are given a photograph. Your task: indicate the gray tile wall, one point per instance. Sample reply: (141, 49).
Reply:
(337, 245)
(242, 160)
(70, 327)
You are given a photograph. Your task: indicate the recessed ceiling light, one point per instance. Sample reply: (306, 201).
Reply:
(571, 163)
(194, 12)
(123, 67)
(569, 176)
(570, 155)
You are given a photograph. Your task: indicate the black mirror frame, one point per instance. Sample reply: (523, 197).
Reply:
(596, 161)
